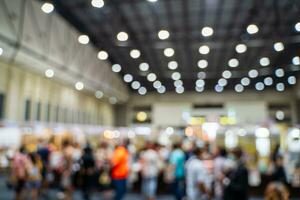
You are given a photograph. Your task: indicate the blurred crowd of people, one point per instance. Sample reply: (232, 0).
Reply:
(202, 172)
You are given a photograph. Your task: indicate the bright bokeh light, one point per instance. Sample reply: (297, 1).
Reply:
(102, 55)
(157, 84)
(259, 86)
(227, 74)
(219, 88)
(245, 81)
(162, 89)
(134, 53)
(268, 81)
(135, 85)
(142, 90)
(262, 132)
(1, 51)
(252, 29)
(239, 88)
(264, 61)
(207, 31)
(163, 34)
(296, 60)
(278, 46)
(172, 65)
(204, 50)
(144, 67)
(179, 90)
(122, 36)
(141, 116)
(151, 77)
(176, 75)
(222, 82)
(297, 27)
(200, 83)
(97, 3)
(49, 73)
(178, 83)
(253, 73)
(279, 72)
(292, 80)
(202, 64)
(116, 68)
(241, 48)
(83, 39)
(280, 87)
(99, 94)
(79, 85)
(201, 75)
(279, 115)
(233, 62)
(47, 8)
(128, 78)
(169, 52)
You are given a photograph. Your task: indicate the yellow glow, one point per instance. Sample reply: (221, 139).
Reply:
(141, 116)
(197, 120)
(189, 131)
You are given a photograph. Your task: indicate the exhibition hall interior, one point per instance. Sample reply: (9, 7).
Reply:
(149, 99)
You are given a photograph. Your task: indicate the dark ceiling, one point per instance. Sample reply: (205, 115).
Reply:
(184, 19)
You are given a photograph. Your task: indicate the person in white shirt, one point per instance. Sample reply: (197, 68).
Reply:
(196, 173)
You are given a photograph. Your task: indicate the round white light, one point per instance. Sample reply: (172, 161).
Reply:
(264, 61)
(135, 85)
(200, 83)
(134, 53)
(239, 88)
(219, 88)
(99, 94)
(169, 52)
(259, 86)
(151, 77)
(292, 80)
(253, 73)
(49, 73)
(116, 68)
(172, 65)
(252, 29)
(201, 75)
(199, 89)
(279, 115)
(227, 74)
(157, 84)
(152, 1)
(262, 132)
(279, 72)
(204, 49)
(83, 39)
(202, 64)
(296, 60)
(245, 81)
(142, 91)
(112, 100)
(79, 85)
(179, 90)
(161, 90)
(297, 27)
(128, 78)
(278, 46)
(222, 82)
(176, 75)
(163, 34)
(102, 55)
(144, 67)
(97, 3)
(178, 83)
(122, 36)
(280, 87)
(268, 81)
(47, 8)
(233, 62)
(1, 51)
(207, 31)
(241, 48)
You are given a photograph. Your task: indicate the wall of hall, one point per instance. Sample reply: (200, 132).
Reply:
(49, 100)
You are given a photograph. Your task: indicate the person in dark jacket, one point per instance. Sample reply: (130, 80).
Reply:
(236, 181)
(279, 174)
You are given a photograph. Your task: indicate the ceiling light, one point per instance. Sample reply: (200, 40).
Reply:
(202, 64)
(102, 55)
(199, 89)
(49, 73)
(296, 60)
(163, 34)
(172, 65)
(239, 88)
(161, 90)
(268, 81)
(134, 53)
(135, 85)
(179, 90)
(253, 73)
(264, 61)
(83, 39)
(112, 100)
(142, 90)
(157, 84)
(259, 86)
(245, 81)
(79, 86)
(219, 88)
(128, 78)
(227, 74)
(1, 51)
(207, 31)
(279, 72)
(169, 52)
(200, 83)
(279, 115)
(116, 68)
(99, 94)
(97, 3)
(233, 62)
(222, 82)
(47, 8)
(292, 80)
(152, 1)
(278, 46)
(122, 36)
(204, 49)
(297, 27)
(178, 83)
(201, 75)
(176, 75)
(252, 29)
(280, 87)
(151, 77)
(241, 48)
(144, 67)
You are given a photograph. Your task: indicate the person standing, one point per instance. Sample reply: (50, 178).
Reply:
(150, 162)
(196, 175)
(34, 175)
(120, 170)
(177, 160)
(219, 166)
